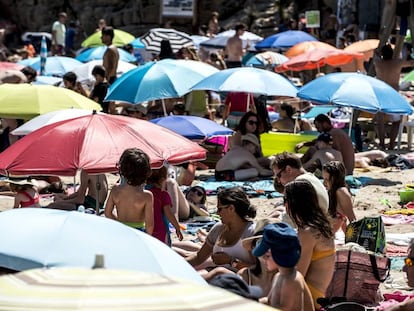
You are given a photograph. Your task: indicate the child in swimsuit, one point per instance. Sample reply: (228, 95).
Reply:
(163, 214)
(129, 202)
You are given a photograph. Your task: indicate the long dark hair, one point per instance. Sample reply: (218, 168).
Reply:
(303, 207)
(337, 172)
(242, 124)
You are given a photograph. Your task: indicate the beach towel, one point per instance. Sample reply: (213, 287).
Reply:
(260, 188)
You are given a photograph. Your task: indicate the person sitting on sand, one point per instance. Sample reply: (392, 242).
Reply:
(323, 154)
(26, 194)
(92, 189)
(196, 197)
(132, 203)
(373, 157)
(317, 259)
(281, 250)
(340, 142)
(240, 163)
(341, 208)
(287, 123)
(224, 240)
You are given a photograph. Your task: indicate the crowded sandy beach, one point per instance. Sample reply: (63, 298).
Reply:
(218, 170)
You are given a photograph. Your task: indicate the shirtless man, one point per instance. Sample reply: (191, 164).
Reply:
(234, 48)
(111, 56)
(341, 142)
(324, 154)
(388, 70)
(92, 188)
(239, 162)
(133, 204)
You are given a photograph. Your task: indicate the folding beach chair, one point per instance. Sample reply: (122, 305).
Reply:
(316, 110)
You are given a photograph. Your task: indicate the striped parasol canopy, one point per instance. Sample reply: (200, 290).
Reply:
(152, 39)
(107, 289)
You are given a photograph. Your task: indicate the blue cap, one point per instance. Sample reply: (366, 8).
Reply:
(283, 242)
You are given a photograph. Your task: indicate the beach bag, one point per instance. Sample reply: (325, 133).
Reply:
(368, 232)
(358, 275)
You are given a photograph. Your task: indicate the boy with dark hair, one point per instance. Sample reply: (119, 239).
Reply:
(101, 87)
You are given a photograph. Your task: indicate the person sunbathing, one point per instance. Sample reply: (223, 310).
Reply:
(371, 157)
(239, 163)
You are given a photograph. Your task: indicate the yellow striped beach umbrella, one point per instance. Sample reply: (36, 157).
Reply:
(106, 289)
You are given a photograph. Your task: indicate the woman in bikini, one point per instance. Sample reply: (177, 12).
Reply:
(224, 241)
(341, 208)
(26, 194)
(315, 234)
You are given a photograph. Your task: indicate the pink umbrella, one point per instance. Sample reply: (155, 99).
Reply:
(316, 58)
(10, 66)
(94, 143)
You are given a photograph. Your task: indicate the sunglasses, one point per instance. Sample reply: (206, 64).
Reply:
(198, 192)
(219, 209)
(278, 175)
(409, 261)
(251, 122)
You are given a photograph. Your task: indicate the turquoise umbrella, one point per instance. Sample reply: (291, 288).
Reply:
(355, 90)
(55, 65)
(98, 53)
(168, 78)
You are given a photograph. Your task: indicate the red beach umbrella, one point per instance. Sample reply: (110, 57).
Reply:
(94, 143)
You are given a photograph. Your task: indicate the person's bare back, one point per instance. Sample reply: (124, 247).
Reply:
(234, 49)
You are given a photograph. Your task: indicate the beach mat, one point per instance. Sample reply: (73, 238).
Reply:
(260, 188)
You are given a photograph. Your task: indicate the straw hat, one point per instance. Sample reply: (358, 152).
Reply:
(258, 231)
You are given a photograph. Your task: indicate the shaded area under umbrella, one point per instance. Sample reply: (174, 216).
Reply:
(72, 239)
(95, 143)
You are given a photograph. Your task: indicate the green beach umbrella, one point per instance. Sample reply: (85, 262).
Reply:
(120, 39)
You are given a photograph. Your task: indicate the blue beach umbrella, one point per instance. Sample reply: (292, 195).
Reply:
(284, 40)
(98, 52)
(168, 78)
(43, 55)
(220, 40)
(266, 59)
(355, 90)
(137, 44)
(55, 65)
(250, 80)
(193, 127)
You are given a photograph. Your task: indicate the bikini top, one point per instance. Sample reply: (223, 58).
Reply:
(32, 200)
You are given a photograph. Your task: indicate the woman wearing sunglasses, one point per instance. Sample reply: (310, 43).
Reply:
(224, 240)
(196, 198)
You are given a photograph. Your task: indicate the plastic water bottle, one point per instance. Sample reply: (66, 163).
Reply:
(81, 209)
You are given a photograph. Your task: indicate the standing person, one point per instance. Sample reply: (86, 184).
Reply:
(281, 250)
(101, 25)
(340, 141)
(330, 27)
(388, 70)
(92, 189)
(213, 24)
(70, 39)
(341, 208)
(236, 105)
(163, 214)
(234, 48)
(100, 88)
(133, 204)
(317, 259)
(59, 35)
(111, 56)
(224, 240)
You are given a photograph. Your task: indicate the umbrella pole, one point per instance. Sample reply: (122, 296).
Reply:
(98, 187)
(163, 107)
(350, 122)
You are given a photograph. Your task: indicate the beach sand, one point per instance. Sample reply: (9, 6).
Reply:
(380, 184)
